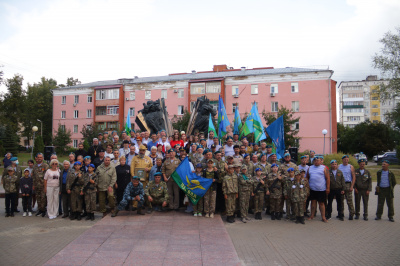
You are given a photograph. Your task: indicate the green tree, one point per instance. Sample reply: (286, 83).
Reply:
(393, 118)
(89, 132)
(10, 140)
(181, 122)
(61, 139)
(288, 121)
(38, 145)
(388, 62)
(70, 82)
(1, 76)
(39, 106)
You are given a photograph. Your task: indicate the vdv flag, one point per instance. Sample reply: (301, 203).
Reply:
(193, 185)
(238, 122)
(277, 134)
(258, 128)
(211, 126)
(248, 124)
(222, 118)
(128, 125)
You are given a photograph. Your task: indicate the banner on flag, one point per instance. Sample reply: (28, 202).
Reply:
(223, 121)
(193, 185)
(277, 133)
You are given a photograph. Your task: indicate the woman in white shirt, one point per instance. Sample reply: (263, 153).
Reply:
(52, 188)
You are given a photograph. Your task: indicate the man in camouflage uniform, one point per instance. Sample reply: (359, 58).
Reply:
(207, 155)
(74, 186)
(287, 192)
(283, 170)
(259, 191)
(385, 190)
(9, 180)
(349, 179)
(263, 165)
(298, 196)
(336, 190)
(230, 191)
(362, 188)
(39, 169)
(90, 190)
(169, 166)
(198, 156)
(133, 192)
(236, 140)
(107, 177)
(274, 189)
(245, 191)
(221, 167)
(18, 173)
(210, 172)
(157, 194)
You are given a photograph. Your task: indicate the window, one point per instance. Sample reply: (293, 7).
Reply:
(254, 89)
(374, 106)
(213, 87)
(75, 128)
(214, 105)
(181, 93)
(274, 106)
(197, 88)
(295, 126)
(63, 114)
(101, 110)
(89, 98)
(112, 125)
(75, 143)
(63, 99)
(76, 114)
(375, 114)
(76, 99)
(374, 98)
(63, 128)
(147, 95)
(180, 109)
(235, 90)
(107, 94)
(295, 106)
(274, 88)
(112, 110)
(375, 121)
(353, 118)
(89, 113)
(353, 110)
(132, 111)
(132, 96)
(234, 106)
(164, 94)
(295, 87)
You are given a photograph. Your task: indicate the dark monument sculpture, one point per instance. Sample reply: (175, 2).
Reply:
(153, 117)
(200, 115)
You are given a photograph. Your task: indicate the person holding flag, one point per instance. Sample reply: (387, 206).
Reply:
(211, 132)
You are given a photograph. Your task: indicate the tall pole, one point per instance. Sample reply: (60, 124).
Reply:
(324, 144)
(324, 132)
(41, 127)
(33, 144)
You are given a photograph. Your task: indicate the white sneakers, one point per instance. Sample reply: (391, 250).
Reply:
(212, 215)
(199, 214)
(23, 215)
(29, 214)
(195, 214)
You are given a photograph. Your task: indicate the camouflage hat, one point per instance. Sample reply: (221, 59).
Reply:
(231, 166)
(10, 168)
(229, 156)
(236, 165)
(302, 170)
(244, 167)
(297, 173)
(210, 160)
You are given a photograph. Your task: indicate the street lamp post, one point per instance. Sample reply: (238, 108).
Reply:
(324, 131)
(41, 127)
(34, 129)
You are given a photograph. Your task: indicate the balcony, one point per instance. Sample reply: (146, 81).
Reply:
(353, 106)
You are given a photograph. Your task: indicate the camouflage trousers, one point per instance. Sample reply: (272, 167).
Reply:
(230, 204)
(199, 206)
(17, 197)
(244, 200)
(102, 200)
(41, 199)
(362, 194)
(298, 208)
(289, 207)
(90, 200)
(275, 204)
(155, 202)
(384, 195)
(349, 198)
(76, 201)
(209, 200)
(259, 201)
(124, 202)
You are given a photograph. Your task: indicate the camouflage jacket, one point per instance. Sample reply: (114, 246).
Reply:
(287, 190)
(73, 185)
(221, 169)
(9, 183)
(38, 175)
(336, 182)
(261, 187)
(87, 186)
(106, 177)
(265, 169)
(131, 191)
(230, 184)
(363, 181)
(298, 191)
(157, 192)
(284, 167)
(245, 183)
(276, 191)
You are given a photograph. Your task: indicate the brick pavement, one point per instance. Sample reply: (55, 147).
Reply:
(168, 238)
(356, 242)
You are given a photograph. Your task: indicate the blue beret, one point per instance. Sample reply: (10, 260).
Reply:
(13, 159)
(333, 161)
(274, 164)
(77, 163)
(215, 137)
(92, 165)
(87, 157)
(258, 169)
(345, 156)
(199, 165)
(158, 174)
(246, 155)
(302, 157)
(228, 137)
(170, 150)
(362, 160)
(200, 146)
(72, 153)
(286, 154)
(217, 152)
(312, 151)
(269, 146)
(291, 169)
(385, 161)
(135, 177)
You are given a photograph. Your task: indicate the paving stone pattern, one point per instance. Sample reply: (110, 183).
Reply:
(170, 238)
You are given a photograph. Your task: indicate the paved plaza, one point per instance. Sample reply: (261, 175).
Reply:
(178, 238)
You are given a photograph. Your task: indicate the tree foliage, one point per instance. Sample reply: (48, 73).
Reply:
(10, 140)
(61, 140)
(181, 122)
(289, 120)
(89, 132)
(38, 145)
(388, 62)
(370, 138)
(70, 82)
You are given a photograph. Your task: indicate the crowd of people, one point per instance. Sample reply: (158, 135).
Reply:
(134, 173)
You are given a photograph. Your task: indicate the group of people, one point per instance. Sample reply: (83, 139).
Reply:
(134, 173)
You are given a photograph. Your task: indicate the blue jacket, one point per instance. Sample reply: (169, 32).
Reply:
(131, 191)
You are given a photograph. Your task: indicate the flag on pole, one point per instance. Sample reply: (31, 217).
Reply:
(193, 185)
(222, 119)
(277, 134)
(248, 124)
(128, 125)
(238, 123)
(258, 128)
(211, 126)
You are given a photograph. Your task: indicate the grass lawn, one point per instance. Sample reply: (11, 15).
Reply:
(23, 158)
(375, 168)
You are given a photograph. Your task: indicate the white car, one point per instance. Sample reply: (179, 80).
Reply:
(377, 157)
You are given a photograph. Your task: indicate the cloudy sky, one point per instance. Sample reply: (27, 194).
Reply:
(102, 39)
